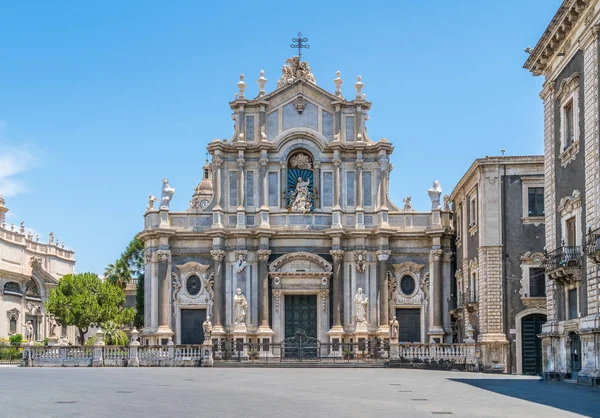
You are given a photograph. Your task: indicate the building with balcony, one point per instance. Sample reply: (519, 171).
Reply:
(292, 229)
(567, 57)
(499, 295)
(29, 269)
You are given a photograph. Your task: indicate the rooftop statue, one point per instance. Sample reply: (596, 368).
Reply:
(293, 69)
(167, 194)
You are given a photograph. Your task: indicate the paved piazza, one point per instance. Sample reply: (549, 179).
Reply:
(255, 392)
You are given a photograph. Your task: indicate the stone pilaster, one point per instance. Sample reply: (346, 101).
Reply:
(382, 269)
(164, 282)
(263, 288)
(217, 163)
(264, 198)
(337, 210)
(383, 188)
(241, 210)
(436, 331)
(338, 286)
(360, 212)
(219, 299)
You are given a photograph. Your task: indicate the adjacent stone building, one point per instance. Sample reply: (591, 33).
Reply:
(500, 284)
(292, 229)
(567, 56)
(29, 269)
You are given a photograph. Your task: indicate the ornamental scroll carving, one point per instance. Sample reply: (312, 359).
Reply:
(302, 161)
(360, 258)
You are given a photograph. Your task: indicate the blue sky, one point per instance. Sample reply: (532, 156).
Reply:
(101, 100)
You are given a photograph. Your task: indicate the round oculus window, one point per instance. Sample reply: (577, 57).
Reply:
(407, 285)
(193, 285)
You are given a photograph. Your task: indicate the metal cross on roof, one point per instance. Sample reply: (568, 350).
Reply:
(299, 43)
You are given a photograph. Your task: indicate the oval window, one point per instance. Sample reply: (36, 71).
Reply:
(193, 285)
(407, 285)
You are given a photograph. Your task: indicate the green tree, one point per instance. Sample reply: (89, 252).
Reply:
(84, 301)
(133, 256)
(118, 273)
(113, 334)
(138, 321)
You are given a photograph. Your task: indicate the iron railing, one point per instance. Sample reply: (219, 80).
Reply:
(563, 257)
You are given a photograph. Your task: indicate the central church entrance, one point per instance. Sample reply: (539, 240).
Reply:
(300, 315)
(191, 326)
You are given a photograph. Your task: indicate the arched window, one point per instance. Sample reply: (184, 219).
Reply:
(300, 183)
(12, 324)
(12, 287)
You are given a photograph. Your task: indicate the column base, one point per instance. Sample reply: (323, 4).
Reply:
(207, 356)
(394, 350)
(240, 335)
(264, 332)
(163, 333)
(336, 334)
(218, 332)
(336, 221)
(436, 335)
(383, 331)
(52, 341)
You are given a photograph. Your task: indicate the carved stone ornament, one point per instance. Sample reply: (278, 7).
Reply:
(408, 266)
(176, 284)
(324, 296)
(473, 264)
(301, 161)
(240, 260)
(163, 255)
(447, 202)
(277, 295)
(568, 204)
(392, 284)
(300, 104)
(217, 255)
(192, 267)
(301, 255)
(383, 255)
(337, 254)
(534, 303)
(151, 200)
(35, 260)
(425, 285)
(437, 254)
(166, 195)
(276, 281)
(360, 258)
(148, 256)
(408, 203)
(567, 86)
(294, 69)
(263, 255)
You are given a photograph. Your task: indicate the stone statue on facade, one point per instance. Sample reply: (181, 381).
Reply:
(28, 331)
(394, 329)
(434, 194)
(360, 307)
(240, 307)
(447, 202)
(301, 197)
(360, 258)
(51, 238)
(167, 194)
(52, 324)
(240, 264)
(408, 203)
(151, 200)
(207, 327)
(22, 228)
(294, 68)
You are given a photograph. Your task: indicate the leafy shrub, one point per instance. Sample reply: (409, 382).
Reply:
(16, 339)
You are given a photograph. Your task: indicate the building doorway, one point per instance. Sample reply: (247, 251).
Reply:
(531, 348)
(410, 325)
(575, 355)
(301, 315)
(191, 326)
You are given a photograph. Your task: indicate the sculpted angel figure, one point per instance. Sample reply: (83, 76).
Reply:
(407, 203)
(167, 194)
(360, 306)
(240, 306)
(301, 197)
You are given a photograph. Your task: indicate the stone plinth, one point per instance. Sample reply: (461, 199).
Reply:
(264, 333)
(394, 350)
(240, 335)
(207, 355)
(336, 335)
(52, 341)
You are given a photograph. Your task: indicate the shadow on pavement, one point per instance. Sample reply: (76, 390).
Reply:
(566, 396)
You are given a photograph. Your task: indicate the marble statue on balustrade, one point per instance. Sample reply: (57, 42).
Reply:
(207, 327)
(52, 324)
(167, 194)
(301, 197)
(240, 306)
(28, 331)
(360, 307)
(394, 329)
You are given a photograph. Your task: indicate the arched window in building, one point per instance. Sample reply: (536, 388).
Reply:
(31, 289)
(12, 287)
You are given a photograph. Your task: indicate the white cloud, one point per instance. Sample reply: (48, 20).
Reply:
(14, 160)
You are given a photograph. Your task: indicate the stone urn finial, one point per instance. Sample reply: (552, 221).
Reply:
(99, 335)
(338, 84)
(241, 86)
(358, 86)
(134, 335)
(261, 83)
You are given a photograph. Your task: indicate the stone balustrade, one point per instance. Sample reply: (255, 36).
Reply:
(438, 356)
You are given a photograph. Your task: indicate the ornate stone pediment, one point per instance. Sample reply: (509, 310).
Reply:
(567, 86)
(568, 204)
(192, 267)
(300, 262)
(408, 266)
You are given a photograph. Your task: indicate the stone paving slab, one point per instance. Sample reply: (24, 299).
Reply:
(262, 392)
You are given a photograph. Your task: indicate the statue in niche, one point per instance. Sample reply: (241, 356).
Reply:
(240, 307)
(301, 197)
(207, 327)
(360, 307)
(28, 331)
(301, 161)
(167, 194)
(394, 329)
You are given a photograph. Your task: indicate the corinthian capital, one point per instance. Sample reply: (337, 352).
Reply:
(217, 161)
(337, 254)
(217, 255)
(263, 255)
(437, 254)
(383, 255)
(163, 255)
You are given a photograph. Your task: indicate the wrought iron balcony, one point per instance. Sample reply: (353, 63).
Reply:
(564, 264)
(592, 245)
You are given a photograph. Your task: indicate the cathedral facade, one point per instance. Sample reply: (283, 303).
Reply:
(292, 229)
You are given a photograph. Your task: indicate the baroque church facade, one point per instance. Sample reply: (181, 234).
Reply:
(292, 229)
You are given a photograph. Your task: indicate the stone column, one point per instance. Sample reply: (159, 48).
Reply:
(241, 215)
(283, 184)
(359, 183)
(217, 210)
(317, 184)
(164, 282)
(219, 302)
(437, 329)
(337, 211)
(264, 204)
(338, 287)
(384, 319)
(263, 288)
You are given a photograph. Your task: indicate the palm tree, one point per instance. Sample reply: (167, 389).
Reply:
(118, 273)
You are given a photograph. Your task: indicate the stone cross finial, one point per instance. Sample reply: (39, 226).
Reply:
(338, 84)
(261, 83)
(358, 86)
(241, 86)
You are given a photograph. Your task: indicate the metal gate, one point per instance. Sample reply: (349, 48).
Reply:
(300, 347)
